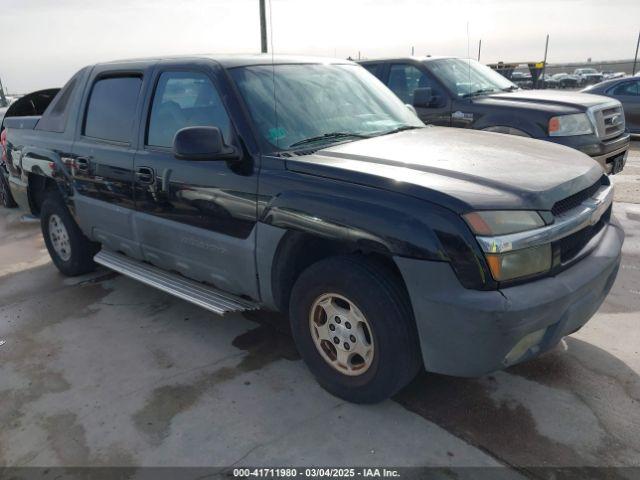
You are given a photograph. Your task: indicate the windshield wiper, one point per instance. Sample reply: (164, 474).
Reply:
(479, 92)
(400, 129)
(511, 88)
(328, 136)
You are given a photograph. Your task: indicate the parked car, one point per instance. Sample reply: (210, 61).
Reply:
(303, 185)
(522, 79)
(565, 80)
(627, 92)
(610, 75)
(461, 93)
(588, 76)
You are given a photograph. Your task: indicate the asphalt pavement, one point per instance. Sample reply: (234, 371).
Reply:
(102, 370)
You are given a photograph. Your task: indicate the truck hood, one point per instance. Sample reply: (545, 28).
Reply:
(546, 98)
(459, 169)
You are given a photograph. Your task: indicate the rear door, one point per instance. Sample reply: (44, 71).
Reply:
(404, 78)
(195, 217)
(103, 156)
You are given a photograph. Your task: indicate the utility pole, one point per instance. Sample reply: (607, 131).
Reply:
(479, 48)
(3, 99)
(412, 51)
(544, 62)
(263, 27)
(635, 59)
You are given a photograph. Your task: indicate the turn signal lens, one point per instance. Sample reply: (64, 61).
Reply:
(501, 222)
(519, 263)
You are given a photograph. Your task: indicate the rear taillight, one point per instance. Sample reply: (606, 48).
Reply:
(3, 145)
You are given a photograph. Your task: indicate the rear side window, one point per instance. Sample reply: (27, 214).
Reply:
(54, 118)
(111, 110)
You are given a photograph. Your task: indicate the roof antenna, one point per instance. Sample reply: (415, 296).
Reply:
(273, 79)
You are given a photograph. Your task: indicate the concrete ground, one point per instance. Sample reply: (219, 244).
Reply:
(102, 370)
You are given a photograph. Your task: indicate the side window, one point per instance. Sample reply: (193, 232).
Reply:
(373, 68)
(111, 112)
(627, 88)
(185, 99)
(404, 79)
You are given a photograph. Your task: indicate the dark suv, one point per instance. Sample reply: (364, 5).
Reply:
(455, 92)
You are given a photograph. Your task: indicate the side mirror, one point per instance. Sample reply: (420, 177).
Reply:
(412, 109)
(202, 143)
(423, 97)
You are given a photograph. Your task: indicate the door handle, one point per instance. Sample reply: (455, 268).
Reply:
(145, 175)
(82, 164)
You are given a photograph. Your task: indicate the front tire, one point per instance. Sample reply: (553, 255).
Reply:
(71, 252)
(353, 325)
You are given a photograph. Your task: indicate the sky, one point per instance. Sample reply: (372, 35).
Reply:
(43, 42)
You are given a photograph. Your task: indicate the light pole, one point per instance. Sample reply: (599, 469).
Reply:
(263, 27)
(635, 59)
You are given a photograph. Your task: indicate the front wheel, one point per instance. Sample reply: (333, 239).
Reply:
(353, 325)
(71, 252)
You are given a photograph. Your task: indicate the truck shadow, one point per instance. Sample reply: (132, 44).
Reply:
(575, 406)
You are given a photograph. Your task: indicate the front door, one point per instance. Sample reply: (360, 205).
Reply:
(195, 217)
(405, 78)
(628, 93)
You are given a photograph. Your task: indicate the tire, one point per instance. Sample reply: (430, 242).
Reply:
(376, 294)
(6, 199)
(71, 252)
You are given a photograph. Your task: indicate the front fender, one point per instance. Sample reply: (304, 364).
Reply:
(372, 220)
(372, 223)
(503, 119)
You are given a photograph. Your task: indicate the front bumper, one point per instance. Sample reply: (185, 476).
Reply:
(470, 333)
(603, 152)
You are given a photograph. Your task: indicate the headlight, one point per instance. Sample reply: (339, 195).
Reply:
(519, 263)
(568, 125)
(502, 222)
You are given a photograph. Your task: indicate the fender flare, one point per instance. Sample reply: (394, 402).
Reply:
(531, 128)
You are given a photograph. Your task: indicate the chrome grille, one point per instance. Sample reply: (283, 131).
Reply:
(609, 120)
(566, 204)
(571, 245)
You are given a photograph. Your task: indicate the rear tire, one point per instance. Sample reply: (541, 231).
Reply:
(71, 252)
(6, 199)
(366, 348)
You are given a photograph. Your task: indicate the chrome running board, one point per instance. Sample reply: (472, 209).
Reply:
(198, 293)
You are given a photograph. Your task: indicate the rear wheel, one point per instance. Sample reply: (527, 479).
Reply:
(354, 328)
(71, 252)
(6, 199)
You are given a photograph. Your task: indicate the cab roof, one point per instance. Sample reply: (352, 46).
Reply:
(238, 60)
(415, 58)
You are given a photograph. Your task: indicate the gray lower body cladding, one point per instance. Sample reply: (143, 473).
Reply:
(470, 333)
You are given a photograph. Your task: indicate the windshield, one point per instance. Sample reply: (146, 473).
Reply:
(587, 70)
(466, 78)
(319, 103)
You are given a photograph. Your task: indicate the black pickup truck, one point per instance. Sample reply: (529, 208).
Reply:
(305, 186)
(455, 92)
